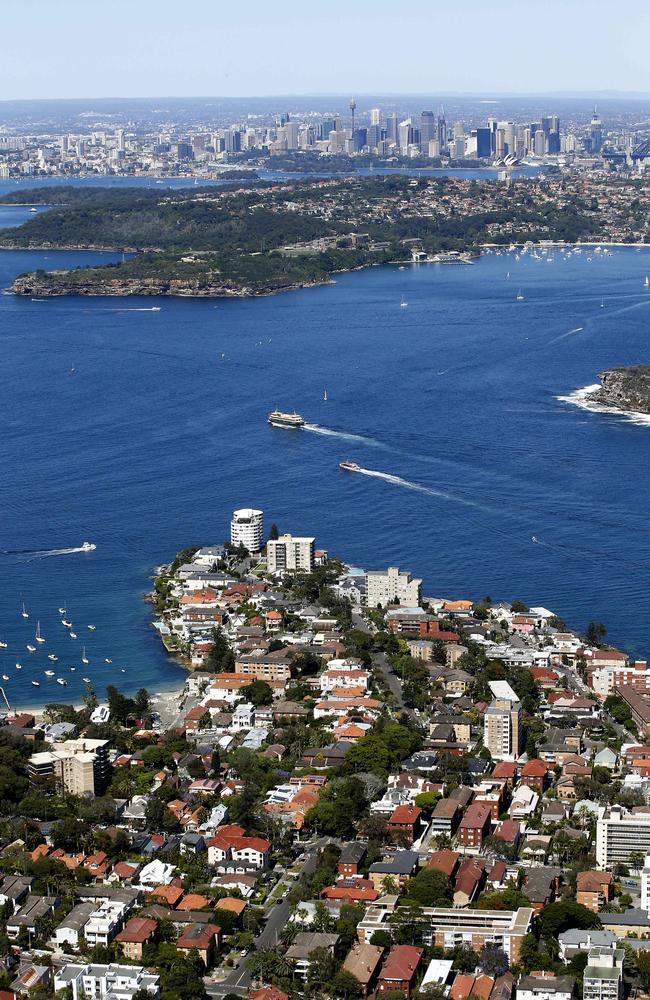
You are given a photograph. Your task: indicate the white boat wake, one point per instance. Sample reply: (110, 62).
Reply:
(407, 484)
(581, 398)
(563, 335)
(344, 435)
(43, 553)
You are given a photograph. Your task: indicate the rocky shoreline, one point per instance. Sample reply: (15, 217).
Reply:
(626, 389)
(38, 286)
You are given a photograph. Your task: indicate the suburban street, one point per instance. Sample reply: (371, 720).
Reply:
(239, 979)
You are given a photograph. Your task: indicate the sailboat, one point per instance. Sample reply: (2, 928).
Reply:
(403, 303)
(24, 613)
(602, 303)
(325, 396)
(84, 658)
(520, 296)
(38, 636)
(646, 283)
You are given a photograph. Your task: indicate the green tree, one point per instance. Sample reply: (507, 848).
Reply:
(221, 658)
(258, 692)
(430, 888)
(558, 917)
(274, 534)
(595, 633)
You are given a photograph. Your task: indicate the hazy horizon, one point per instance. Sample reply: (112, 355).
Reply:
(67, 48)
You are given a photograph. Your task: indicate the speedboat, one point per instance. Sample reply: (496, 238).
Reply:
(88, 547)
(36, 684)
(73, 635)
(30, 649)
(348, 466)
(52, 657)
(86, 680)
(3, 645)
(49, 673)
(107, 660)
(60, 681)
(66, 623)
(62, 611)
(5, 677)
(92, 627)
(19, 666)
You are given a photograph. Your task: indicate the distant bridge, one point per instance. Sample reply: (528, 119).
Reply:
(641, 151)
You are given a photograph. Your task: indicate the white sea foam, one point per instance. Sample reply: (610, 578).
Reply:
(581, 398)
(419, 488)
(344, 435)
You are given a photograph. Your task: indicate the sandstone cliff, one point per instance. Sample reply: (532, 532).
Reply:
(624, 389)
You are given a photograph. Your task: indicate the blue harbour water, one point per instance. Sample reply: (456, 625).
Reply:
(449, 404)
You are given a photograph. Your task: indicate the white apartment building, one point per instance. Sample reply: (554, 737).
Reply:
(104, 923)
(247, 528)
(645, 886)
(391, 586)
(290, 553)
(603, 976)
(620, 833)
(502, 729)
(119, 982)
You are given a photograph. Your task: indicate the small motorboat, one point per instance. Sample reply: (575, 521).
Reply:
(62, 611)
(107, 660)
(66, 623)
(86, 680)
(88, 547)
(30, 649)
(60, 681)
(348, 466)
(3, 645)
(19, 666)
(92, 627)
(72, 669)
(5, 677)
(52, 657)
(49, 673)
(73, 635)
(123, 670)
(36, 684)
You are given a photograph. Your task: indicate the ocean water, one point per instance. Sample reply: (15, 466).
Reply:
(477, 477)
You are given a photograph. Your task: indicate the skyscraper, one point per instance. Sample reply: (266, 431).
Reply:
(375, 116)
(442, 128)
(596, 133)
(428, 129)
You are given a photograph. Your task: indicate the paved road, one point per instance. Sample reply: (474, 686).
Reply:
(239, 979)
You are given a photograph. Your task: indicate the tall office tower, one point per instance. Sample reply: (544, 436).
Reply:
(392, 127)
(540, 143)
(247, 528)
(500, 143)
(434, 148)
(428, 129)
(596, 133)
(119, 135)
(326, 126)
(404, 134)
(459, 130)
(373, 136)
(63, 144)
(291, 134)
(442, 128)
(233, 140)
(282, 119)
(528, 139)
(509, 135)
(306, 137)
(483, 142)
(375, 116)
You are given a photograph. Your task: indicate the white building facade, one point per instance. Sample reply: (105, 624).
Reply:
(247, 528)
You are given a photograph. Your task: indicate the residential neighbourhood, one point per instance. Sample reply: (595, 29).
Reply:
(365, 788)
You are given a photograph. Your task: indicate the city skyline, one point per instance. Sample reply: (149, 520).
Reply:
(268, 52)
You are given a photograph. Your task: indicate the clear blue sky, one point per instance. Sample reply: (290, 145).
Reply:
(141, 48)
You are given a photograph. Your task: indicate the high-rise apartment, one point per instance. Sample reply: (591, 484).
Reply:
(621, 833)
(247, 528)
(290, 553)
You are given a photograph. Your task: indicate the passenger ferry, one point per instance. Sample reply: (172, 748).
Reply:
(290, 420)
